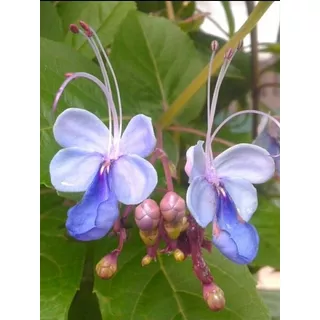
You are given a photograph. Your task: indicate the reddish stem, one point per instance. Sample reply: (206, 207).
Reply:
(200, 268)
(161, 155)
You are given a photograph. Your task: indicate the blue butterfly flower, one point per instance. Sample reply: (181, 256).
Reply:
(221, 189)
(106, 164)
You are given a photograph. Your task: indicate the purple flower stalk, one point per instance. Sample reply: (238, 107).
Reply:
(105, 163)
(221, 189)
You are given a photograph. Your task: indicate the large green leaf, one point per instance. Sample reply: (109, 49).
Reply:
(50, 23)
(61, 260)
(55, 60)
(103, 16)
(154, 61)
(267, 221)
(169, 290)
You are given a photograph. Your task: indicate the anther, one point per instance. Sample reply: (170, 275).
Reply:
(86, 28)
(73, 28)
(214, 45)
(229, 54)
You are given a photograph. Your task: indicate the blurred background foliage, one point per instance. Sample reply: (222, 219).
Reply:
(156, 50)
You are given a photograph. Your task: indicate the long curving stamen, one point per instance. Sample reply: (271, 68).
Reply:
(106, 81)
(94, 79)
(113, 76)
(227, 60)
(88, 33)
(244, 112)
(214, 48)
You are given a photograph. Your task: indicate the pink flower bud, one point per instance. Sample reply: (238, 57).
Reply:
(147, 215)
(214, 297)
(172, 207)
(107, 266)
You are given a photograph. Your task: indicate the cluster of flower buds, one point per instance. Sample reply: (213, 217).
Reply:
(164, 222)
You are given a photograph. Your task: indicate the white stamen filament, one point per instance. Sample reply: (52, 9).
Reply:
(241, 113)
(211, 113)
(107, 84)
(114, 79)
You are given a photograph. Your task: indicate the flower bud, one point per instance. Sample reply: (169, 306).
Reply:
(172, 207)
(107, 266)
(147, 215)
(214, 297)
(174, 230)
(146, 260)
(149, 237)
(178, 255)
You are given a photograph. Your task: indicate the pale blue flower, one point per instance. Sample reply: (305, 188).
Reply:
(221, 189)
(108, 166)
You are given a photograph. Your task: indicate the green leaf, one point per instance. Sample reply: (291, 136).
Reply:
(197, 84)
(56, 59)
(104, 17)
(169, 290)
(154, 61)
(272, 300)
(61, 259)
(50, 23)
(229, 16)
(267, 221)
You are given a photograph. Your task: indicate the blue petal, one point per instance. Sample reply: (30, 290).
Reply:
(94, 216)
(81, 128)
(202, 201)
(246, 161)
(73, 169)
(244, 195)
(271, 144)
(196, 161)
(138, 137)
(133, 179)
(237, 240)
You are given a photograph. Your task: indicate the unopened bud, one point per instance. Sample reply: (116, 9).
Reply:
(146, 260)
(214, 297)
(178, 255)
(147, 215)
(214, 45)
(149, 237)
(172, 207)
(107, 266)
